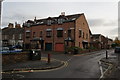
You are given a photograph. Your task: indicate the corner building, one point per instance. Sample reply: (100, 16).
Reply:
(55, 33)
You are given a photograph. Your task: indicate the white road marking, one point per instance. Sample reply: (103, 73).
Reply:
(69, 59)
(101, 70)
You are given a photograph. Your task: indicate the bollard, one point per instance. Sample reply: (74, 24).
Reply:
(49, 58)
(106, 54)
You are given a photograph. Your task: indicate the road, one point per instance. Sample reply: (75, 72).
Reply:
(79, 66)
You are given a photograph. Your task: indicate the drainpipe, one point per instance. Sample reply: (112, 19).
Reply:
(53, 38)
(74, 32)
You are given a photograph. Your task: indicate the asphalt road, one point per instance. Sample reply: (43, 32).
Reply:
(79, 66)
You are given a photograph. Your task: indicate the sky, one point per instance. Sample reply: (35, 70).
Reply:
(101, 16)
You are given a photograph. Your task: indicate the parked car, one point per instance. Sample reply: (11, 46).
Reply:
(10, 50)
(4, 50)
(117, 50)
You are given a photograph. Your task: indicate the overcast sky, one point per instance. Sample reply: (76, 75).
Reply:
(102, 16)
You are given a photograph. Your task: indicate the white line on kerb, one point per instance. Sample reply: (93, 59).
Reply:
(101, 70)
(69, 59)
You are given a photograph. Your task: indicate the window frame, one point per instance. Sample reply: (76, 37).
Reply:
(41, 33)
(48, 34)
(58, 33)
(69, 33)
(80, 33)
(49, 22)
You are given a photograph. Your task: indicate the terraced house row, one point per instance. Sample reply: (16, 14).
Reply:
(54, 33)
(58, 33)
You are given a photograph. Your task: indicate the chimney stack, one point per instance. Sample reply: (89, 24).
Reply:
(10, 25)
(62, 13)
(17, 26)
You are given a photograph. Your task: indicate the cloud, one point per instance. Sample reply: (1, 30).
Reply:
(111, 23)
(4, 24)
(114, 31)
(95, 22)
(102, 22)
(16, 17)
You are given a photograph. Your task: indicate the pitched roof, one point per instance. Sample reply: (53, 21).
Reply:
(96, 34)
(10, 31)
(54, 20)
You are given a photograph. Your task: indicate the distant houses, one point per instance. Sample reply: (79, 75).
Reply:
(12, 36)
(55, 34)
(100, 42)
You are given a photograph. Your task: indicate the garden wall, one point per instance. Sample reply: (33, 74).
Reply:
(15, 57)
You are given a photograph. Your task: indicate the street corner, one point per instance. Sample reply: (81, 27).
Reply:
(107, 66)
(42, 66)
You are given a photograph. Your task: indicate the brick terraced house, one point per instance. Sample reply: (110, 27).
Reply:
(54, 33)
(12, 36)
(100, 42)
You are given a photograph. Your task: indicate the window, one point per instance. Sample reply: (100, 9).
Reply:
(48, 33)
(27, 34)
(20, 36)
(13, 37)
(69, 33)
(40, 33)
(83, 34)
(33, 34)
(59, 33)
(49, 22)
(5, 37)
(83, 23)
(60, 21)
(80, 33)
(79, 44)
(86, 36)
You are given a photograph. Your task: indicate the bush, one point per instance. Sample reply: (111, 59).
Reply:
(92, 48)
(71, 49)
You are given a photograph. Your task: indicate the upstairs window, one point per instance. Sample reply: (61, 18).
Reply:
(87, 36)
(59, 32)
(49, 22)
(13, 37)
(60, 21)
(34, 35)
(80, 33)
(41, 33)
(69, 33)
(20, 36)
(48, 32)
(83, 34)
(83, 23)
(27, 33)
(5, 37)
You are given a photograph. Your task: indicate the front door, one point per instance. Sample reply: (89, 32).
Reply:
(48, 46)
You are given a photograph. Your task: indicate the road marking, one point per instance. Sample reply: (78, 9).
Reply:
(101, 70)
(21, 76)
(64, 62)
(65, 65)
(69, 59)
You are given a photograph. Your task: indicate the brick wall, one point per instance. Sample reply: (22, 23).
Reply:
(14, 58)
(82, 24)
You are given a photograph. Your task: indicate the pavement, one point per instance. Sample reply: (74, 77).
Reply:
(75, 66)
(30, 66)
(110, 66)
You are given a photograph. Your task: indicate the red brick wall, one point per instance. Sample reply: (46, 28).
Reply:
(75, 32)
(54, 27)
(84, 27)
(13, 58)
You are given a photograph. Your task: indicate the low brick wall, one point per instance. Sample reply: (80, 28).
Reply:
(14, 58)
